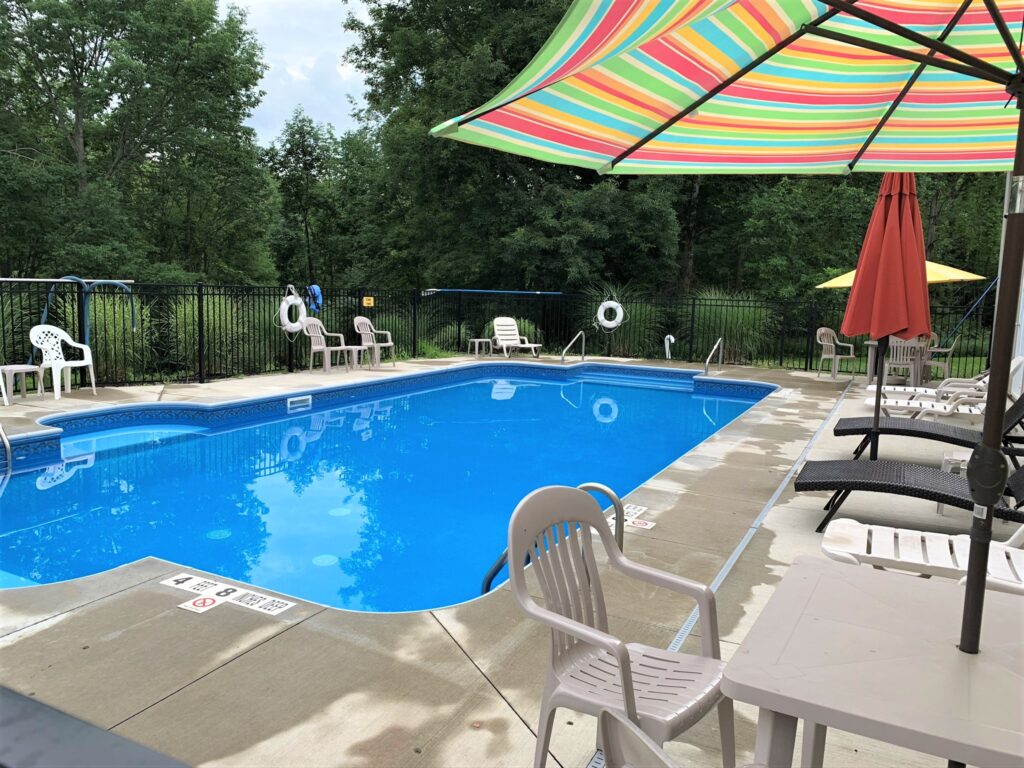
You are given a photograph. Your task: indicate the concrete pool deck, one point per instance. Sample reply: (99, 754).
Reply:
(452, 687)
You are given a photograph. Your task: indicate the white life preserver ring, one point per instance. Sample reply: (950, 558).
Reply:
(289, 453)
(616, 320)
(601, 414)
(289, 301)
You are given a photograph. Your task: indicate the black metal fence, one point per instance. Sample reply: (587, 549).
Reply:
(201, 332)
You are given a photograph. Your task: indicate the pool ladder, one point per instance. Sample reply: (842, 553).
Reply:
(583, 346)
(718, 347)
(620, 531)
(8, 460)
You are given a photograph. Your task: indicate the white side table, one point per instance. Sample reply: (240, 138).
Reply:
(955, 462)
(10, 375)
(476, 346)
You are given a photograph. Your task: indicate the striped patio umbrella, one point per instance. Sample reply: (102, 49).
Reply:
(790, 86)
(756, 86)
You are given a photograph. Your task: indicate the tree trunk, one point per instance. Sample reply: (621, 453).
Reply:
(689, 239)
(78, 143)
(309, 251)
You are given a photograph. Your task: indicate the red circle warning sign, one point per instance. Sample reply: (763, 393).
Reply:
(203, 602)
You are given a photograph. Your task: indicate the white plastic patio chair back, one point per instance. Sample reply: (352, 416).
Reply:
(49, 340)
(903, 356)
(368, 336)
(591, 670)
(943, 363)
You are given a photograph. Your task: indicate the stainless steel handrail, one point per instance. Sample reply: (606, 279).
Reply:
(718, 346)
(620, 532)
(9, 456)
(583, 346)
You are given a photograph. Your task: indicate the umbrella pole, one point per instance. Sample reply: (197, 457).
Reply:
(880, 352)
(995, 404)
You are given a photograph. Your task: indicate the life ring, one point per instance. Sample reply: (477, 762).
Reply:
(603, 416)
(289, 301)
(286, 451)
(616, 320)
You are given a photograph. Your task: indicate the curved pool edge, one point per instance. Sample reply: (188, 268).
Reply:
(42, 447)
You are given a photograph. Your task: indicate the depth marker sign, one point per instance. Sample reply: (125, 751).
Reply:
(213, 593)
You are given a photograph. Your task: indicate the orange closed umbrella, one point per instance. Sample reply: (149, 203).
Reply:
(890, 292)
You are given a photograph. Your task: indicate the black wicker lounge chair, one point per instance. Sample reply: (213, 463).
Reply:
(902, 479)
(953, 434)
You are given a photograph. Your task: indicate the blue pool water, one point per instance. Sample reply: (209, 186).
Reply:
(383, 504)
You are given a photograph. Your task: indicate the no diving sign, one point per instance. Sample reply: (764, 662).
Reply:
(211, 593)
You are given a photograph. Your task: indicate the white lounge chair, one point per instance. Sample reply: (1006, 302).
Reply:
(368, 338)
(49, 339)
(320, 343)
(830, 351)
(507, 338)
(962, 402)
(591, 670)
(922, 552)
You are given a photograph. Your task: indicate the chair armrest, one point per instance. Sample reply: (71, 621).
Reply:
(523, 340)
(386, 334)
(596, 638)
(947, 389)
(843, 344)
(86, 351)
(336, 335)
(700, 592)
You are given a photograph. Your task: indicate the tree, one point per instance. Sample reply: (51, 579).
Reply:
(109, 104)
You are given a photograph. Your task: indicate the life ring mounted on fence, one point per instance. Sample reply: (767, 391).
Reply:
(618, 315)
(292, 299)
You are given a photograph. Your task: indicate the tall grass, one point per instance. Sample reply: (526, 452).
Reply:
(747, 326)
(120, 353)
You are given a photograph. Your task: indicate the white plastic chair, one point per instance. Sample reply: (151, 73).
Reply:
(939, 357)
(49, 339)
(319, 344)
(923, 552)
(905, 355)
(507, 338)
(624, 745)
(661, 691)
(830, 351)
(368, 337)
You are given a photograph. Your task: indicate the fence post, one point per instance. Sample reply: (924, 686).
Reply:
(201, 322)
(415, 322)
(459, 318)
(812, 323)
(782, 336)
(693, 324)
(82, 320)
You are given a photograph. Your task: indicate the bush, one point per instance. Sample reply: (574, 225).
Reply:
(641, 333)
(747, 325)
(119, 352)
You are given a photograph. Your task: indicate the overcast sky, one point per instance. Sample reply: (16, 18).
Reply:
(303, 42)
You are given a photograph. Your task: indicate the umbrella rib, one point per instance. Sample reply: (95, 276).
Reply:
(910, 84)
(1004, 32)
(936, 46)
(961, 69)
(738, 74)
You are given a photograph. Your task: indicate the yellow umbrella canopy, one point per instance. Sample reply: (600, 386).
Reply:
(937, 273)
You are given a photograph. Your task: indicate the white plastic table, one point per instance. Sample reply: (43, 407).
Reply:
(874, 653)
(477, 346)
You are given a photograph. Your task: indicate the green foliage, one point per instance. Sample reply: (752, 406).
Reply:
(120, 352)
(223, 338)
(642, 331)
(747, 325)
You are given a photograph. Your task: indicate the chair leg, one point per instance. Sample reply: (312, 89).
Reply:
(862, 446)
(56, 382)
(812, 750)
(727, 728)
(547, 719)
(832, 511)
(92, 379)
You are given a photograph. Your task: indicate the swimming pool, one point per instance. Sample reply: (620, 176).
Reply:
(392, 496)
